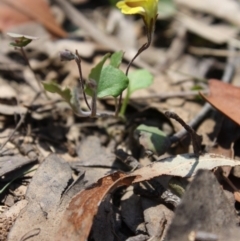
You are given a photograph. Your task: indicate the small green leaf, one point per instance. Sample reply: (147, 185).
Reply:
(66, 93)
(96, 72)
(21, 40)
(153, 139)
(139, 79)
(112, 82)
(116, 59)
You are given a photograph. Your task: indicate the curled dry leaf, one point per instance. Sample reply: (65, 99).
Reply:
(78, 218)
(225, 98)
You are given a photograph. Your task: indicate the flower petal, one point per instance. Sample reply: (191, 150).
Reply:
(130, 10)
(147, 8)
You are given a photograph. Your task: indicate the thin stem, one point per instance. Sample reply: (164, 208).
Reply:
(144, 47)
(125, 102)
(81, 81)
(21, 121)
(30, 67)
(94, 104)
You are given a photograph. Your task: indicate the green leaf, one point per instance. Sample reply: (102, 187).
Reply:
(66, 93)
(139, 79)
(116, 59)
(21, 40)
(112, 82)
(153, 139)
(96, 73)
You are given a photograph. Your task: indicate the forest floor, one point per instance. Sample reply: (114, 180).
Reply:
(166, 169)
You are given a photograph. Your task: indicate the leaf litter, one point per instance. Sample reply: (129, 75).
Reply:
(79, 190)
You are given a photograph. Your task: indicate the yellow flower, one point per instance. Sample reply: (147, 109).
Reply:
(147, 8)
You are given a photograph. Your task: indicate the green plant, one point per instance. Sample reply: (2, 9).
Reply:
(106, 78)
(21, 41)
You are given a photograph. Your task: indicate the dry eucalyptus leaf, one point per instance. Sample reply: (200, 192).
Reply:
(78, 218)
(225, 98)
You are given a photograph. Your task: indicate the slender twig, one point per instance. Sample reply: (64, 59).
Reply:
(21, 121)
(81, 80)
(212, 52)
(94, 104)
(196, 139)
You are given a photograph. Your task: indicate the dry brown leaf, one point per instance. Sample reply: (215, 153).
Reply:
(225, 98)
(13, 13)
(77, 219)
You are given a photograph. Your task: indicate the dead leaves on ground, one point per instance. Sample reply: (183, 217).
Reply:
(225, 98)
(77, 219)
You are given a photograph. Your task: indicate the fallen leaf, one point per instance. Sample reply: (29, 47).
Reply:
(78, 217)
(14, 13)
(225, 98)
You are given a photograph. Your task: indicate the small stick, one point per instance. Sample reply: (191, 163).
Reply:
(196, 139)
(81, 80)
(21, 121)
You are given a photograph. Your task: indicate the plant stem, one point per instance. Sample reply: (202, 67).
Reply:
(30, 67)
(143, 48)
(125, 102)
(78, 61)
